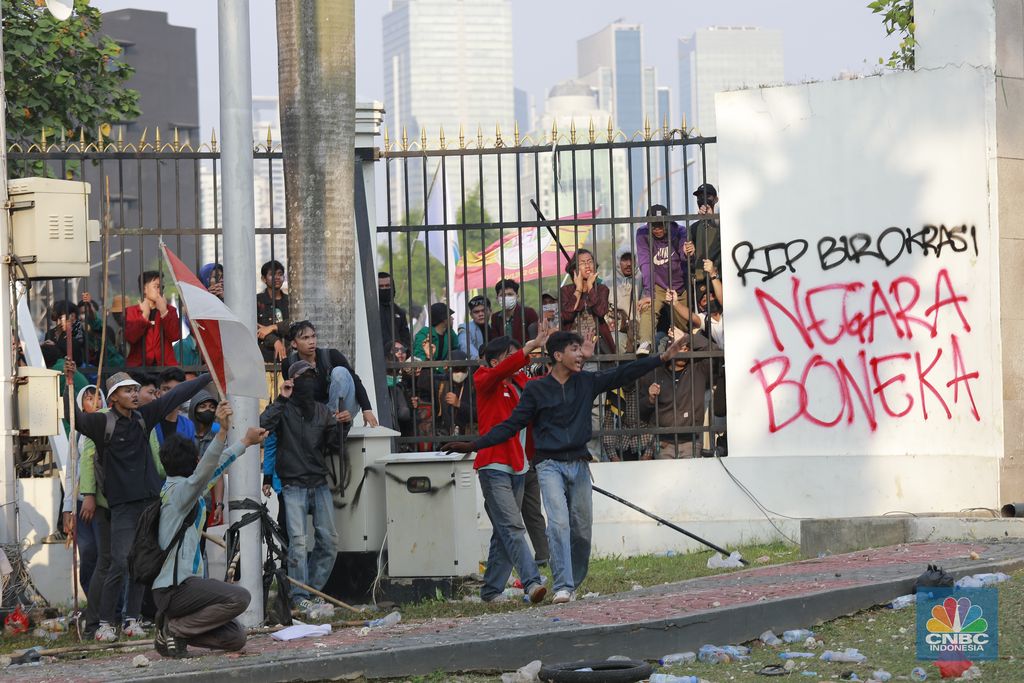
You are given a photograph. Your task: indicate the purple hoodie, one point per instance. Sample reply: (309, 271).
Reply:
(668, 258)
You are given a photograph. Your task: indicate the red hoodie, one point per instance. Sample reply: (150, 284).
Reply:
(156, 336)
(497, 395)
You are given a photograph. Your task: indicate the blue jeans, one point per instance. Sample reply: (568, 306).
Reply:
(88, 547)
(310, 565)
(342, 387)
(503, 498)
(566, 489)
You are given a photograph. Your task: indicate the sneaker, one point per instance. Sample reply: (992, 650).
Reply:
(105, 633)
(168, 645)
(561, 597)
(537, 593)
(133, 628)
(644, 349)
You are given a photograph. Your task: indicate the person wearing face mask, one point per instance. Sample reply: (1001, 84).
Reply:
(307, 434)
(202, 411)
(394, 323)
(512, 319)
(456, 398)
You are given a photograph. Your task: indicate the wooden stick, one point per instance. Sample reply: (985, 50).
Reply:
(296, 582)
(97, 646)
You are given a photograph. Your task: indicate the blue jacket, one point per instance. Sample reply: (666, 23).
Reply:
(186, 428)
(560, 413)
(270, 462)
(471, 339)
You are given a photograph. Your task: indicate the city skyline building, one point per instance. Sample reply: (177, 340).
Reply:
(721, 58)
(448, 66)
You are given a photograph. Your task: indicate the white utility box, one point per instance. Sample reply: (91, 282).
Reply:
(432, 517)
(38, 407)
(51, 226)
(362, 522)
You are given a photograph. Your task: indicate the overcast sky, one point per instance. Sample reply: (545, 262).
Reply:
(821, 37)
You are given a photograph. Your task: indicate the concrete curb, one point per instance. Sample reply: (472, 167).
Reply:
(639, 640)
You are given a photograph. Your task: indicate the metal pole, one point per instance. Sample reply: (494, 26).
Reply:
(240, 270)
(8, 502)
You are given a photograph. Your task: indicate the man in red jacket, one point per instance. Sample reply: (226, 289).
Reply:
(502, 468)
(152, 326)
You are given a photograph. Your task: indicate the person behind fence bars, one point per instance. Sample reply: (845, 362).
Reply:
(64, 314)
(622, 314)
(548, 315)
(585, 302)
(436, 340)
(335, 378)
(558, 406)
(456, 398)
(192, 610)
(704, 240)
(151, 327)
(394, 322)
(710, 320)
(272, 313)
(663, 267)
(512, 319)
(404, 401)
(674, 397)
(212, 277)
(307, 433)
(475, 332)
(130, 480)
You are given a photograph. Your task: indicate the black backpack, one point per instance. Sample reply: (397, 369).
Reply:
(146, 559)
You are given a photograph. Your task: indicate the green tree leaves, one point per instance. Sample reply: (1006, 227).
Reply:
(898, 18)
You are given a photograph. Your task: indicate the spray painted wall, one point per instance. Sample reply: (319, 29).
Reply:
(860, 293)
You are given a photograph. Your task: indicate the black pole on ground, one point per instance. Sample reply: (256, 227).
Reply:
(667, 523)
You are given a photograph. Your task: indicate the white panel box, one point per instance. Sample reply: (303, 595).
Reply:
(432, 516)
(49, 220)
(38, 407)
(362, 522)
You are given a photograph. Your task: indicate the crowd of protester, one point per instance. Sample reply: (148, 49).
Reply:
(152, 428)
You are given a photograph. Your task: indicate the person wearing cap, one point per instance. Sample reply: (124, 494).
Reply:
(336, 380)
(663, 266)
(152, 326)
(474, 334)
(130, 481)
(307, 434)
(438, 340)
(704, 240)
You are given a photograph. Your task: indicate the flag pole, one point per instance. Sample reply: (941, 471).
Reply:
(194, 325)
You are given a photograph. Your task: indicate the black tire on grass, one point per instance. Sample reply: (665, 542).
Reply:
(604, 671)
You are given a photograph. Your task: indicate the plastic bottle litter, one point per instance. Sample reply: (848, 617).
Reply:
(981, 580)
(851, 655)
(140, 661)
(678, 658)
(904, 601)
(796, 655)
(918, 674)
(738, 652)
(709, 654)
(808, 673)
(797, 635)
(770, 639)
(44, 634)
(971, 674)
(385, 622)
(881, 675)
(811, 643)
(716, 561)
(669, 678)
(525, 674)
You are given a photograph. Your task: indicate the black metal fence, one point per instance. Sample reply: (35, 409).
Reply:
(458, 220)
(462, 222)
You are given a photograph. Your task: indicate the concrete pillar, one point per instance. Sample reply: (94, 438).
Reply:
(1009, 198)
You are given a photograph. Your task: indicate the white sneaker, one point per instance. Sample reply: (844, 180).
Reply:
(561, 597)
(105, 633)
(644, 349)
(133, 628)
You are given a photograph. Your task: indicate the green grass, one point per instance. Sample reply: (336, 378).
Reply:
(608, 575)
(875, 632)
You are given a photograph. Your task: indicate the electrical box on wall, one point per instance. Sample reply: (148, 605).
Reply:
(38, 405)
(51, 227)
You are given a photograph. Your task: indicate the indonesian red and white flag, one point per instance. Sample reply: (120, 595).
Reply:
(229, 347)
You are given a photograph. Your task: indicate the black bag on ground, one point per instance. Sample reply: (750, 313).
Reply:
(146, 558)
(934, 577)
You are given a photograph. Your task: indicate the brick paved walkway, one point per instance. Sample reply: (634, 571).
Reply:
(729, 607)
